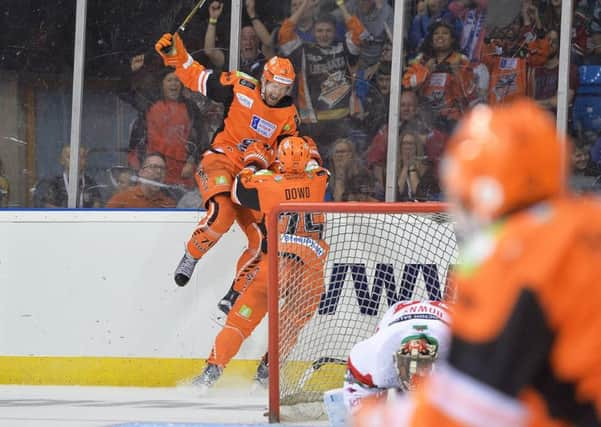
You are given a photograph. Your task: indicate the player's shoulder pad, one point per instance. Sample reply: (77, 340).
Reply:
(246, 80)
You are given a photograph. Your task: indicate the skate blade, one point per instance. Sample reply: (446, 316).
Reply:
(258, 387)
(218, 317)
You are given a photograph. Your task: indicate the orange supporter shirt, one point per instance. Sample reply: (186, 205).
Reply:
(135, 198)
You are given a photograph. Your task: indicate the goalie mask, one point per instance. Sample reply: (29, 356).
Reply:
(415, 359)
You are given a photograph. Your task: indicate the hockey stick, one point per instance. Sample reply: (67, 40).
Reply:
(169, 50)
(316, 365)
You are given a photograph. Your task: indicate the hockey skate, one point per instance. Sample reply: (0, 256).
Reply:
(228, 301)
(262, 375)
(184, 270)
(208, 378)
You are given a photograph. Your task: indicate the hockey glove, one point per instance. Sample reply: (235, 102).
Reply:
(259, 154)
(177, 56)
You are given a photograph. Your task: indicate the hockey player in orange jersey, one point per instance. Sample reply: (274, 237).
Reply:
(526, 327)
(261, 191)
(257, 114)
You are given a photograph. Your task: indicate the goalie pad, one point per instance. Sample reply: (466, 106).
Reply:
(334, 405)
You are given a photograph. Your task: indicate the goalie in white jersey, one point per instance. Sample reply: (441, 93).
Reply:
(409, 338)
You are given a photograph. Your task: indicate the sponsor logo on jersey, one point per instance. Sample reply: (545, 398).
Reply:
(297, 193)
(221, 180)
(262, 126)
(303, 241)
(248, 84)
(204, 179)
(508, 63)
(245, 311)
(246, 101)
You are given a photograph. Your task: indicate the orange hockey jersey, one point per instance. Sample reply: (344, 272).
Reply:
(526, 330)
(248, 118)
(266, 189)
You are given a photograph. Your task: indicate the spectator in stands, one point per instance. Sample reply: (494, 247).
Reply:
(148, 192)
(551, 16)
(509, 54)
(377, 16)
(472, 14)
(303, 14)
(51, 192)
(255, 41)
(434, 10)
(593, 56)
(4, 186)
(582, 163)
(325, 96)
(416, 179)
(349, 180)
(373, 113)
(544, 79)
(443, 77)
(409, 120)
(168, 123)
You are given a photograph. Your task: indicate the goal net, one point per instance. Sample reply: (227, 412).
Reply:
(337, 268)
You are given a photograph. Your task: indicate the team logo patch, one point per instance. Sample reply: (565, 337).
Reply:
(245, 311)
(244, 100)
(278, 178)
(221, 180)
(262, 126)
(248, 84)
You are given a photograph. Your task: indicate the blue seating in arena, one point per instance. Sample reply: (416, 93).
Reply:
(587, 102)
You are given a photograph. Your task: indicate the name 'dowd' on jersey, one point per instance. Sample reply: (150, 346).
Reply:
(297, 193)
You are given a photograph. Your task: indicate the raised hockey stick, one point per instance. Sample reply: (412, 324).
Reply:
(182, 27)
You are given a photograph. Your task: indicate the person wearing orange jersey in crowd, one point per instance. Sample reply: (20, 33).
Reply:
(526, 317)
(509, 53)
(257, 115)
(262, 191)
(442, 76)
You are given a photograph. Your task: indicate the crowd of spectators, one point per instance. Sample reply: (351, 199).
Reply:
(457, 54)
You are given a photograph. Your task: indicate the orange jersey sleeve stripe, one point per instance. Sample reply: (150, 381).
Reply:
(471, 402)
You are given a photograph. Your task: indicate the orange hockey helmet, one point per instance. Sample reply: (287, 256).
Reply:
(293, 154)
(279, 70)
(502, 159)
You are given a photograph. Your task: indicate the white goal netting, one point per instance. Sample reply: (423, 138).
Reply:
(331, 295)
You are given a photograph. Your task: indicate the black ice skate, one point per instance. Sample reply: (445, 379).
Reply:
(209, 376)
(262, 374)
(228, 301)
(184, 270)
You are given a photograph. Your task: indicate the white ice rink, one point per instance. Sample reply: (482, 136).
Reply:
(70, 406)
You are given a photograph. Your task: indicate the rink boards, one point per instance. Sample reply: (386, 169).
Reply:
(88, 298)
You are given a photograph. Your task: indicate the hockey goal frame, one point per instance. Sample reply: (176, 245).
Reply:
(273, 292)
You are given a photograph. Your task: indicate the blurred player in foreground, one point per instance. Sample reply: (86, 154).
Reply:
(526, 328)
(408, 340)
(261, 191)
(258, 114)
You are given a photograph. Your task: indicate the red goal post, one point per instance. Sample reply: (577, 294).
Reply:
(400, 239)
